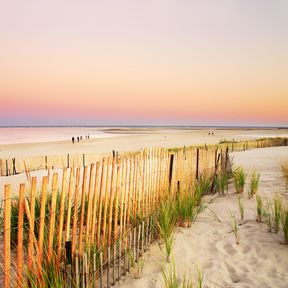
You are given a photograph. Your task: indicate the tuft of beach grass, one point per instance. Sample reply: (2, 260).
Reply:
(241, 207)
(277, 210)
(259, 208)
(253, 184)
(239, 177)
(235, 230)
(284, 168)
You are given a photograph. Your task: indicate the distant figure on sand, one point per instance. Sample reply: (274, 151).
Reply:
(73, 140)
(77, 138)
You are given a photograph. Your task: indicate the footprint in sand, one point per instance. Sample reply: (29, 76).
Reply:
(272, 272)
(263, 256)
(229, 249)
(207, 265)
(244, 269)
(246, 249)
(232, 273)
(230, 269)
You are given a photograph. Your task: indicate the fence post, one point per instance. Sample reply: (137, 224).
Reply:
(7, 228)
(68, 250)
(108, 267)
(42, 217)
(197, 164)
(31, 222)
(14, 166)
(61, 214)
(52, 215)
(20, 235)
(101, 270)
(7, 170)
(82, 211)
(68, 257)
(226, 158)
(171, 169)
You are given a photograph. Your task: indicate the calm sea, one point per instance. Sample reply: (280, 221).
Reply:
(11, 135)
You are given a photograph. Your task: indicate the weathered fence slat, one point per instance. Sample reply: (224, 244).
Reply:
(52, 216)
(7, 231)
(20, 235)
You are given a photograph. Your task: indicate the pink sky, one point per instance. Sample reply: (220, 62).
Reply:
(144, 62)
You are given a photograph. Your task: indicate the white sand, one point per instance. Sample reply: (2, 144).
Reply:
(260, 260)
(134, 139)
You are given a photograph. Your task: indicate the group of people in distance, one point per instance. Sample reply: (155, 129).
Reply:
(79, 138)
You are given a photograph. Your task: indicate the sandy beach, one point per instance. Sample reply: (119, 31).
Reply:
(105, 140)
(260, 260)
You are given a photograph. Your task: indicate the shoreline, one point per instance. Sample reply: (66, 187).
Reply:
(123, 140)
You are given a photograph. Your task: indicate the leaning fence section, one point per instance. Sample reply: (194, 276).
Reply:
(90, 223)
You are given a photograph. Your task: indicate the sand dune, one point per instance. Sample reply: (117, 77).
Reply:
(260, 260)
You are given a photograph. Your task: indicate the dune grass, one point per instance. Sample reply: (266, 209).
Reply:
(284, 168)
(259, 208)
(186, 209)
(253, 184)
(284, 222)
(222, 182)
(239, 177)
(166, 222)
(235, 230)
(180, 210)
(241, 207)
(170, 278)
(136, 266)
(50, 275)
(15, 214)
(277, 211)
(267, 216)
(202, 187)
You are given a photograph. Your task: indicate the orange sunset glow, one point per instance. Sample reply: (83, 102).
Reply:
(144, 63)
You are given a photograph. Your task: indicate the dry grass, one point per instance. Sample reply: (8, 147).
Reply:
(241, 207)
(235, 230)
(259, 208)
(284, 168)
(253, 184)
(239, 177)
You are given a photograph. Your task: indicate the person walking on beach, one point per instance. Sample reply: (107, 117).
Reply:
(73, 140)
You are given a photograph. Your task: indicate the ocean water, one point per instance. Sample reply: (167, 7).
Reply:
(13, 135)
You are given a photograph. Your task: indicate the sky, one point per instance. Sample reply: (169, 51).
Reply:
(149, 62)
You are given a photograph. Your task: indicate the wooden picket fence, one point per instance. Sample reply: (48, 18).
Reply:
(86, 219)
